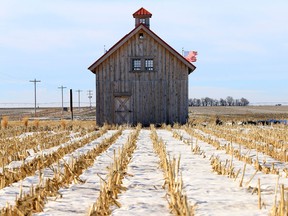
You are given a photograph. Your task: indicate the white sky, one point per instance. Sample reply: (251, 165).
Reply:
(242, 45)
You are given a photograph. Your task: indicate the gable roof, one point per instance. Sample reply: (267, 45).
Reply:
(142, 11)
(190, 66)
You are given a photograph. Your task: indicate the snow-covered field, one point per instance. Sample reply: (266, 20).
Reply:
(216, 181)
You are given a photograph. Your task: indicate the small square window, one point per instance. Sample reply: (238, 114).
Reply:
(141, 35)
(136, 64)
(142, 21)
(149, 64)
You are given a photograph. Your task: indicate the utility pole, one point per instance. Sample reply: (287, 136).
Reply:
(79, 97)
(62, 87)
(35, 81)
(90, 97)
(71, 103)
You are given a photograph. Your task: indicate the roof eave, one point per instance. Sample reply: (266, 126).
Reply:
(112, 49)
(191, 70)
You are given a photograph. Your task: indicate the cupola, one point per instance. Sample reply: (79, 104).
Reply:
(142, 16)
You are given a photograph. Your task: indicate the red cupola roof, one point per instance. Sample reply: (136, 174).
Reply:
(142, 12)
(142, 16)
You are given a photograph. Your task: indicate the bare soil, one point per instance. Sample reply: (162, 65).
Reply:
(84, 113)
(240, 112)
(224, 113)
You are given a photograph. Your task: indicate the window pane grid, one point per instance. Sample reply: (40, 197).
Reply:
(136, 64)
(142, 64)
(148, 64)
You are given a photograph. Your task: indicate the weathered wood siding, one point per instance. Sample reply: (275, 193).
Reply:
(159, 96)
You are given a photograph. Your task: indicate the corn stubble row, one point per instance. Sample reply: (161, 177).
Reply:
(112, 185)
(235, 153)
(18, 149)
(280, 207)
(250, 137)
(226, 168)
(20, 146)
(269, 141)
(10, 129)
(173, 179)
(34, 201)
(9, 176)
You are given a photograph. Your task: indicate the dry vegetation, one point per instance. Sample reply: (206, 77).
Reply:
(173, 180)
(24, 146)
(17, 114)
(113, 185)
(236, 113)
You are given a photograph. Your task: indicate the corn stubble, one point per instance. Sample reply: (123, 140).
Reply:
(235, 153)
(34, 201)
(9, 176)
(269, 140)
(112, 186)
(176, 197)
(4, 122)
(16, 144)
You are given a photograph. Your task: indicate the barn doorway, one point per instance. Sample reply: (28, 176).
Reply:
(123, 113)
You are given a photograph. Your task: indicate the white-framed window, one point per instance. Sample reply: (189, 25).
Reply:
(136, 64)
(149, 65)
(142, 64)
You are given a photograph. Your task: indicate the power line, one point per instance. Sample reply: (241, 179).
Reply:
(35, 81)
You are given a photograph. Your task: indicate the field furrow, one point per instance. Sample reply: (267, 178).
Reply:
(263, 162)
(213, 194)
(12, 191)
(144, 194)
(79, 168)
(86, 193)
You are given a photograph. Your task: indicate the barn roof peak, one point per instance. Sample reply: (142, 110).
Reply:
(142, 16)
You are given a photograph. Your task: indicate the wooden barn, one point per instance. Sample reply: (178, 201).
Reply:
(141, 79)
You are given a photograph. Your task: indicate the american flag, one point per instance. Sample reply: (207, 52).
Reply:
(190, 55)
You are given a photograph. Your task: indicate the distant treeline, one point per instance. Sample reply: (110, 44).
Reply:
(229, 101)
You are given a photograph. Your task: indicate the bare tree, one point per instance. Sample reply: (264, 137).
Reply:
(230, 101)
(244, 101)
(208, 101)
(215, 102)
(222, 102)
(203, 102)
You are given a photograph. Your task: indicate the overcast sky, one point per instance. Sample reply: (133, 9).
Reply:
(242, 45)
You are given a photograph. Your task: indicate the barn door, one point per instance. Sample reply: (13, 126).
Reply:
(123, 113)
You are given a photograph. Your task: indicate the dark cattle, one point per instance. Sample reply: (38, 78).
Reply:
(249, 123)
(271, 121)
(218, 121)
(263, 122)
